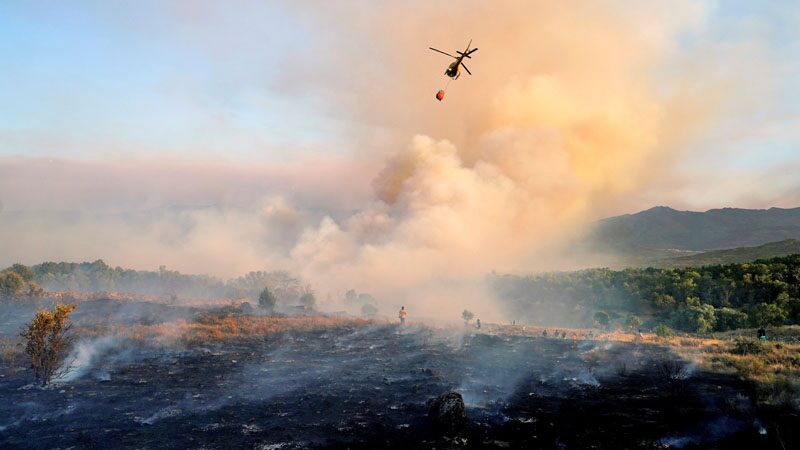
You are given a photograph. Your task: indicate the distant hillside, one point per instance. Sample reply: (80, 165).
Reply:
(664, 231)
(734, 255)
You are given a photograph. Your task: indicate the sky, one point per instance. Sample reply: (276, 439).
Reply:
(197, 81)
(224, 137)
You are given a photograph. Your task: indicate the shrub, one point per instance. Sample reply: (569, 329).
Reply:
(11, 284)
(768, 314)
(730, 319)
(673, 370)
(745, 346)
(633, 322)
(602, 318)
(368, 310)
(308, 300)
(47, 341)
(267, 300)
(663, 331)
(467, 315)
(749, 367)
(694, 318)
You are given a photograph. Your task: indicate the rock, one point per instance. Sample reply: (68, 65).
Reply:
(447, 411)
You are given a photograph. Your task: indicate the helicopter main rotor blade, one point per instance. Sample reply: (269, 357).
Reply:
(466, 55)
(465, 68)
(472, 51)
(448, 54)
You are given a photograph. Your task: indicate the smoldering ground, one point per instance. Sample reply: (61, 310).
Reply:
(368, 384)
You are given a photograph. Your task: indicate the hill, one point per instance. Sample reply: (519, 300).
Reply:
(661, 233)
(734, 255)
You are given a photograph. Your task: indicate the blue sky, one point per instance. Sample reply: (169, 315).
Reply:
(273, 115)
(89, 80)
(146, 78)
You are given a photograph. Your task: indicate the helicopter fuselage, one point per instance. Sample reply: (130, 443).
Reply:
(454, 69)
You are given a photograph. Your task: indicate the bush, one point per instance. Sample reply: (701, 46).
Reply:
(694, 318)
(467, 315)
(308, 300)
(11, 284)
(745, 346)
(633, 322)
(673, 370)
(730, 319)
(768, 314)
(368, 310)
(749, 367)
(267, 300)
(663, 331)
(602, 318)
(47, 341)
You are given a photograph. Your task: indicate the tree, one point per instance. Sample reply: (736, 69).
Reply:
(601, 318)
(22, 270)
(267, 300)
(308, 300)
(664, 301)
(730, 319)
(34, 290)
(768, 314)
(467, 315)
(694, 319)
(47, 341)
(368, 310)
(11, 284)
(663, 331)
(633, 322)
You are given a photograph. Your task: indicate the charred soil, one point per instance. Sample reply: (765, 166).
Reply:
(366, 385)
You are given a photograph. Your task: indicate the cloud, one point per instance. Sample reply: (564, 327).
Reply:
(574, 109)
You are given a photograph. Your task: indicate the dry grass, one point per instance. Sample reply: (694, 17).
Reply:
(11, 350)
(219, 328)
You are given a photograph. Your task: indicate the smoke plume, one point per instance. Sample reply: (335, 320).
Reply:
(571, 110)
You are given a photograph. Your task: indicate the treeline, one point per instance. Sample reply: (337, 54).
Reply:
(17, 280)
(701, 300)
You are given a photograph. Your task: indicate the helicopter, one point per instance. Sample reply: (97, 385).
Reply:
(453, 70)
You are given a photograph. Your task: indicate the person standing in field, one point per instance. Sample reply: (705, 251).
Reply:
(402, 315)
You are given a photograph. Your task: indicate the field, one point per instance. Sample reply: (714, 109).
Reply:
(149, 375)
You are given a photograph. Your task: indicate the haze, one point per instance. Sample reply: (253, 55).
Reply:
(305, 136)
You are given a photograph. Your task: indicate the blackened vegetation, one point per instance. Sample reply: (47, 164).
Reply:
(377, 386)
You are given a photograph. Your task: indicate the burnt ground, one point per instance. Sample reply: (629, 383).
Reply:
(367, 387)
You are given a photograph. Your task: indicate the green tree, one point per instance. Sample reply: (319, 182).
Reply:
(267, 300)
(308, 300)
(22, 270)
(633, 321)
(467, 315)
(601, 318)
(768, 314)
(663, 331)
(730, 319)
(664, 301)
(11, 284)
(694, 319)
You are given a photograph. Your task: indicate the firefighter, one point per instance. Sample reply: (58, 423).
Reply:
(478, 324)
(402, 315)
(762, 334)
